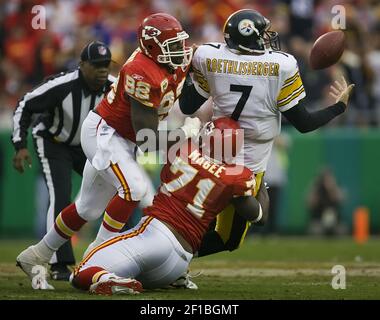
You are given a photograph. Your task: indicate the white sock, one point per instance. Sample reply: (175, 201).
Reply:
(107, 276)
(53, 239)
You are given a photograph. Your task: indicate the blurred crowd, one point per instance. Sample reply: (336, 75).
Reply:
(28, 55)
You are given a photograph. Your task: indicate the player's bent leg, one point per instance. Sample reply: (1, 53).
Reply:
(127, 177)
(149, 253)
(93, 198)
(95, 193)
(211, 243)
(83, 279)
(230, 230)
(114, 159)
(116, 254)
(67, 222)
(115, 217)
(113, 266)
(229, 233)
(238, 232)
(165, 258)
(99, 281)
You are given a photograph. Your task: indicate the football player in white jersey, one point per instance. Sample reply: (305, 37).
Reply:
(251, 80)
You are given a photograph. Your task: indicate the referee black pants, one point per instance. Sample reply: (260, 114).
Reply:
(57, 162)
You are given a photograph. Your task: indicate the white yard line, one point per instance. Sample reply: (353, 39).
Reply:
(280, 272)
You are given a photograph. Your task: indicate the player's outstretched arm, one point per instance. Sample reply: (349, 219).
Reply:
(305, 121)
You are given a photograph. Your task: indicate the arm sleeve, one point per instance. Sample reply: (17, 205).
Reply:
(39, 100)
(305, 121)
(190, 100)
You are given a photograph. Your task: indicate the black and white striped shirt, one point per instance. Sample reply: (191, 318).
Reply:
(63, 102)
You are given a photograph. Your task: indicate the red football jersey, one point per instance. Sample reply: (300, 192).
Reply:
(146, 81)
(194, 190)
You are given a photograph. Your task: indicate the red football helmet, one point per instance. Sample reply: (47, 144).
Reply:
(162, 38)
(221, 139)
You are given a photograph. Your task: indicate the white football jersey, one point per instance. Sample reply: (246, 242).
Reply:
(254, 89)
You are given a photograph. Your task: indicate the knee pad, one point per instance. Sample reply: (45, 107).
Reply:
(87, 212)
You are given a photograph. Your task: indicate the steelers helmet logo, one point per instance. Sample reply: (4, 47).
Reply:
(246, 27)
(102, 50)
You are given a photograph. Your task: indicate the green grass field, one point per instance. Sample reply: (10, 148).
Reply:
(264, 268)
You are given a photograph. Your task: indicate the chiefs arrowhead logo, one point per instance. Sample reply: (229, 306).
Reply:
(150, 32)
(137, 77)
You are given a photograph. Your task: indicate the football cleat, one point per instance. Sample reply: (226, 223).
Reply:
(60, 272)
(33, 266)
(114, 286)
(184, 282)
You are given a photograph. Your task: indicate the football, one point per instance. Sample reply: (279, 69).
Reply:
(327, 50)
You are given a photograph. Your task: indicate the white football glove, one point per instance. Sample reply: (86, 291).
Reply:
(191, 127)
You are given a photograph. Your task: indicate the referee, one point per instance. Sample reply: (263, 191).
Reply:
(59, 106)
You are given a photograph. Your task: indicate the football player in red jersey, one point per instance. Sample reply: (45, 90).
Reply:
(113, 183)
(196, 186)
